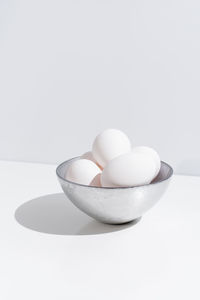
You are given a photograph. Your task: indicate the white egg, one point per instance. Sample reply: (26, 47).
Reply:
(130, 169)
(82, 171)
(96, 181)
(110, 144)
(152, 152)
(88, 155)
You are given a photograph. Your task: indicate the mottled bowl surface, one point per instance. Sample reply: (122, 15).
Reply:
(115, 205)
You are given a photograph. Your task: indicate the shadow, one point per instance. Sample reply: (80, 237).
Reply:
(55, 214)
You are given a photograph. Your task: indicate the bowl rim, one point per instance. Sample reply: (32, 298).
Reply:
(171, 171)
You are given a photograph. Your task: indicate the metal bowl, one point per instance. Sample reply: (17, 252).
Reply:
(115, 205)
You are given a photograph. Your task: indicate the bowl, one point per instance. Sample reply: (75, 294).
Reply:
(115, 205)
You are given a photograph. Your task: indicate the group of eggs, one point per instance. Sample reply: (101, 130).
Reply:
(114, 163)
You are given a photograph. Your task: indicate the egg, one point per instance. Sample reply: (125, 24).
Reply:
(82, 171)
(130, 169)
(96, 181)
(89, 155)
(152, 152)
(110, 144)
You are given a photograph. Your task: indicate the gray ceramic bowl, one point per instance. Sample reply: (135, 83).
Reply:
(115, 205)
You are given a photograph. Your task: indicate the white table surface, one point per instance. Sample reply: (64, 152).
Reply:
(54, 251)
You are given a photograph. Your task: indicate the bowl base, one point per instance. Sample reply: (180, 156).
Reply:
(132, 222)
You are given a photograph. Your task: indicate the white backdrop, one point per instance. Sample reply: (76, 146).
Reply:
(69, 69)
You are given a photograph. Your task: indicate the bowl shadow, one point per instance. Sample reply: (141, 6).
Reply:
(55, 214)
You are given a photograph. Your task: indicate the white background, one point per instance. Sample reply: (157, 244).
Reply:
(69, 69)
